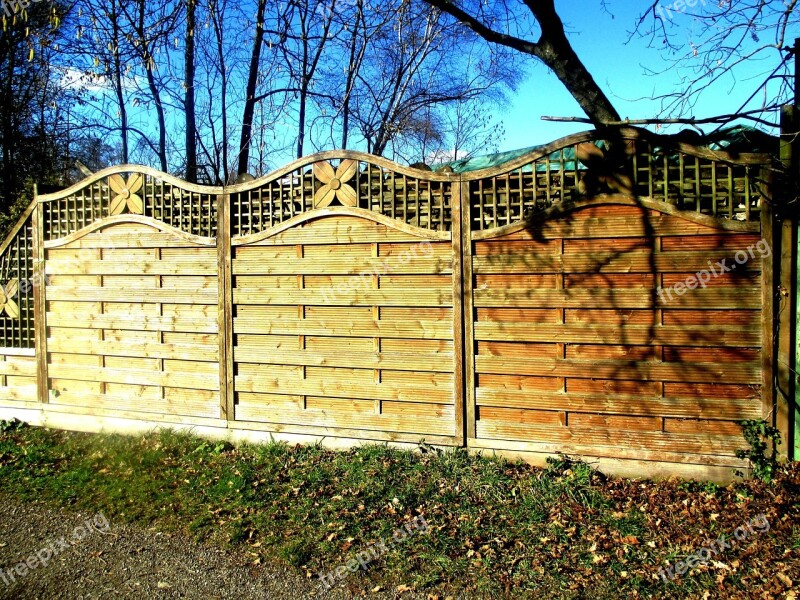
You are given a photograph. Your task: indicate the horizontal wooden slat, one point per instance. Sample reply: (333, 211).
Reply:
(191, 265)
(200, 381)
(582, 225)
(201, 407)
(749, 373)
(702, 426)
(314, 387)
(622, 404)
(142, 349)
(130, 240)
(642, 458)
(145, 296)
(699, 336)
(18, 365)
(338, 230)
(382, 297)
(440, 362)
(424, 330)
(254, 411)
(609, 262)
(353, 265)
(589, 436)
(160, 323)
(19, 393)
(744, 297)
(625, 423)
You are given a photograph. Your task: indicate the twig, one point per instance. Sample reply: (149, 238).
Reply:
(681, 121)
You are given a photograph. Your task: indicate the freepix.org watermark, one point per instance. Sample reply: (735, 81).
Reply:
(381, 267)
(373, 552)
(42, 557)
(665, 10)
(701, 278)
(14, 7)
(713, 548)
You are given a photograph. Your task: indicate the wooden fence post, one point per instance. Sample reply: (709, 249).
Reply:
(468, 309)
(39, 302)
(459, 316)
(225, 308)
(786, 254)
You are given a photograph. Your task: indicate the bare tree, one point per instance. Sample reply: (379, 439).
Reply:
(215, 48)
(500, 23)
(726, 36)
(100, 58)
(151, 26)
(418, 66)
(189, 83)
(34, 126)
(252, 83)
(306, 40)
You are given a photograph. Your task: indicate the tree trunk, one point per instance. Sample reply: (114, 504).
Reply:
(250, 100)
(552, 48)
(118, 86)
(217, 20)
(555, 51)
(191, 119)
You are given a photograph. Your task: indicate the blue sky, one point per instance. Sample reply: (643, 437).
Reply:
(618, 68)
(601, 39)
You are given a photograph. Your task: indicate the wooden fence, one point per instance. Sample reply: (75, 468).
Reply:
(610, 298)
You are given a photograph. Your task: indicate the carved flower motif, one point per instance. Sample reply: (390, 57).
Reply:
(8, 305)
(126, 194)
(335, 184)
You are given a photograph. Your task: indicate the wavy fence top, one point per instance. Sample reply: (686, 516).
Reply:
(630, 162)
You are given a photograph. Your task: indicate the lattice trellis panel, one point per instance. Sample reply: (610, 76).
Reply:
(423, 201)
(17, 282)
(693, 179)
(188, 210)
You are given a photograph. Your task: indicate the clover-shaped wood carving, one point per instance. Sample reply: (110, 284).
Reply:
(126, 194)
(335, 184)
(7, 304)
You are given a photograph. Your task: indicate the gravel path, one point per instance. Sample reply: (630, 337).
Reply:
(91, 558)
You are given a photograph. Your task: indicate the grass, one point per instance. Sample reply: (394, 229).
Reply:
(496, 527)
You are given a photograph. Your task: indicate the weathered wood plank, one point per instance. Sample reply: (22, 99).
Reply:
(190, 265)
(353, 265)
(582, 225)
(704, 426)
(160, 323)
(422, 330)
(737, 298)
(349, 297)
(641, 459)
(202, 381)
(246, 411)
(20, 393)
(621, 369)
(610, 262)
(265, 384)
(119, 403)
(592, 437)
(111, 240)
(144, 296)
(622, 404)
(18, 366)
(142, 349)
(700, 336)
(440, 362)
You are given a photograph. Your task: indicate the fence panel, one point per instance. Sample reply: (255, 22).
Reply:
(132, 321)
(343, 325)
(619, 328)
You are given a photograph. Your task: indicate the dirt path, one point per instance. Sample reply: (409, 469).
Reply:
(92, 558)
